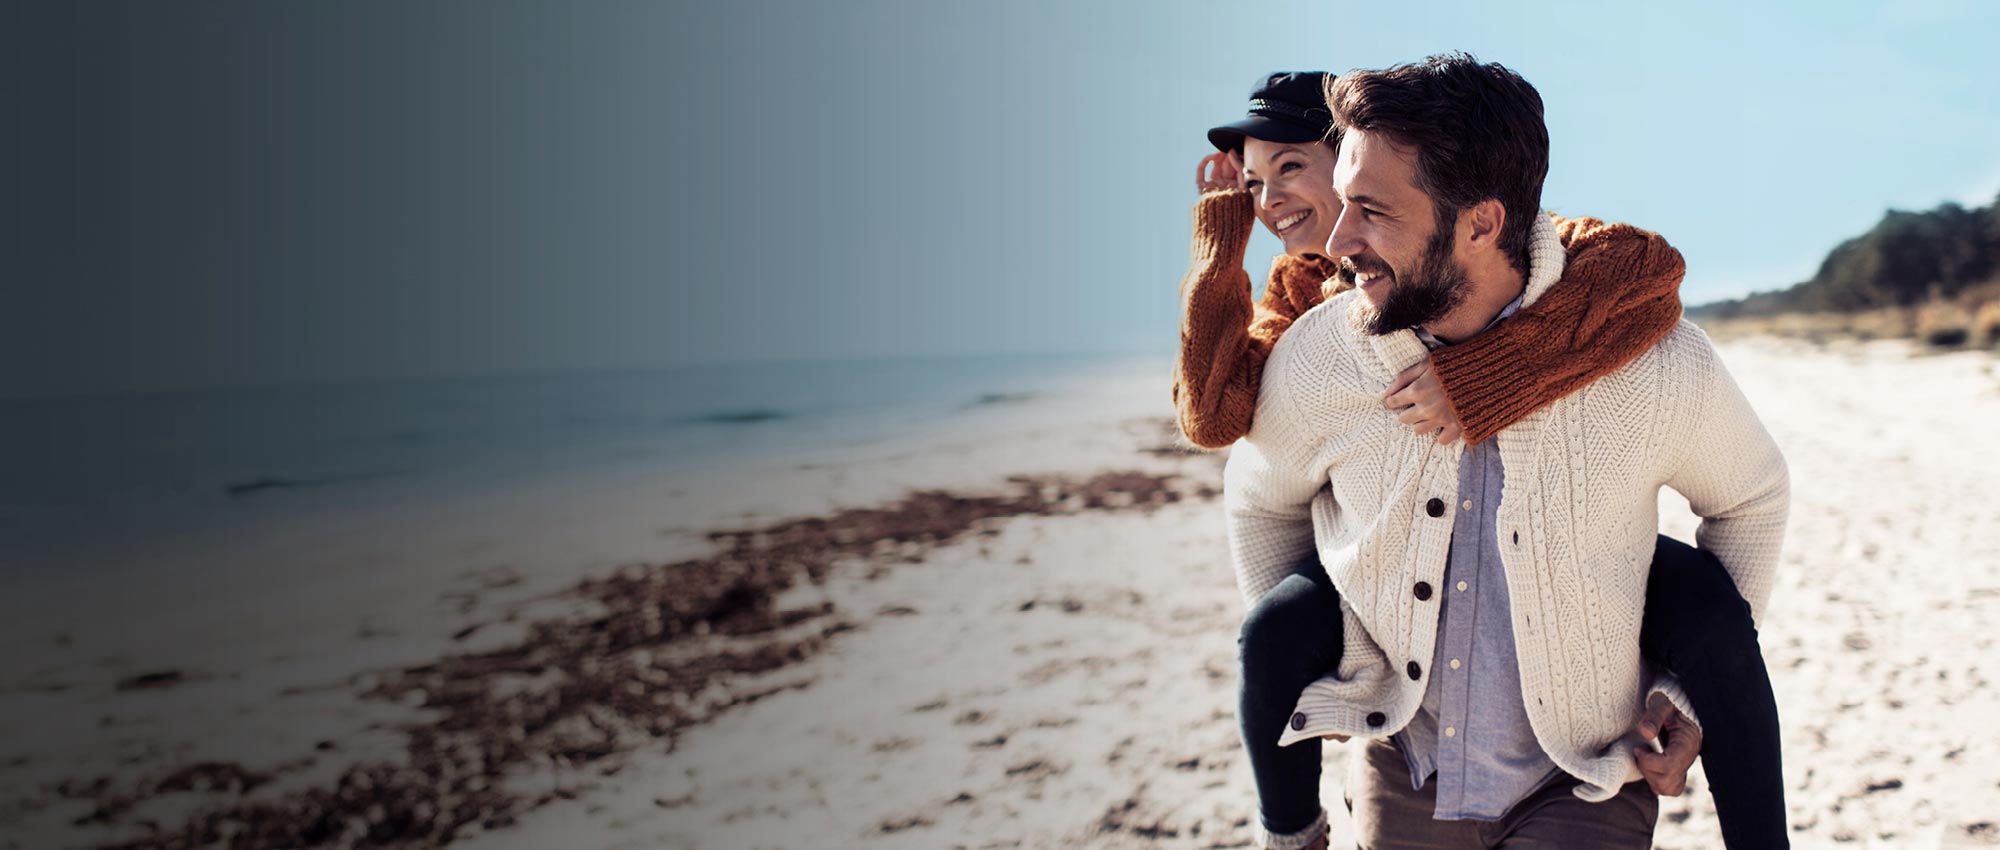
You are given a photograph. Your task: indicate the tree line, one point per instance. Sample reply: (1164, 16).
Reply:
(1906, 259)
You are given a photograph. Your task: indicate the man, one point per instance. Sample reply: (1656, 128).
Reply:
(1491, 595)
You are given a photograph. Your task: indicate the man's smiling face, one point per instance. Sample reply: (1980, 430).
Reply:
(1387, 237)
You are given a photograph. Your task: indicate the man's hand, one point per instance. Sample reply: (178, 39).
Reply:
(1418, 399)
(1667, 771)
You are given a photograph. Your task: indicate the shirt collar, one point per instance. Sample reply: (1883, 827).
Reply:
(1433, 343)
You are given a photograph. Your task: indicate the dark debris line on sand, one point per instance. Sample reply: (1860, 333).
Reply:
(586, 689)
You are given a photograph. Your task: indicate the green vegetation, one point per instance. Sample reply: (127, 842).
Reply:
(1934, 276)
(1949, 254)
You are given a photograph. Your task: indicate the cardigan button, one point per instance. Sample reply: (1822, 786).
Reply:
(1415, 671)
(1298, 720)
(1423, 591)
(1434, 507)
(1376, 718)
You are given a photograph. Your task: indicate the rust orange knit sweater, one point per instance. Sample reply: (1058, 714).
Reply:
(1619, 294)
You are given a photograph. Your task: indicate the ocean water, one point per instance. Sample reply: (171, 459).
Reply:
(88, 482)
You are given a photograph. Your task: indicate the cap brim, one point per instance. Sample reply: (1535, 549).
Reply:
(1229, 137)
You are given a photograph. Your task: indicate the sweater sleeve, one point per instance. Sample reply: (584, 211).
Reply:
(1268, 489)
(1225, 338)
(1618, 296)
(1735, 479)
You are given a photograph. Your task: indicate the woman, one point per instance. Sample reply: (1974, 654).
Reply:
(1617, 297)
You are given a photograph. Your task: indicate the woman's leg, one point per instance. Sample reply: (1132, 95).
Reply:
(1698, 626)
(1290, 638)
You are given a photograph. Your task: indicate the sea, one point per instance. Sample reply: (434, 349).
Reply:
(97, 483)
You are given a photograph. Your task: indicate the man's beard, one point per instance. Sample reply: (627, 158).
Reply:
(1436, 285)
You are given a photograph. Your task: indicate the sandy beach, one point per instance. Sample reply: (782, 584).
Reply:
(1017, 639)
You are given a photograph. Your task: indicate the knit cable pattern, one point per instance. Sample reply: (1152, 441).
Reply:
(1325, 468)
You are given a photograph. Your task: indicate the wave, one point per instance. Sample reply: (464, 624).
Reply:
(263, 483)
(738, 417)
(990, 399)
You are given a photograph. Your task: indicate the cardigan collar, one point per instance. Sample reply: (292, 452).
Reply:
(1546, 259)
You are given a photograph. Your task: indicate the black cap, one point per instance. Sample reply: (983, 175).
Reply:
(1288, 106)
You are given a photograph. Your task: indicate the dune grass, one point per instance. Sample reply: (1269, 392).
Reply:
(1969, 319)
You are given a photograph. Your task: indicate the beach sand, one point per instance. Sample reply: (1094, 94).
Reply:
(1019, 640)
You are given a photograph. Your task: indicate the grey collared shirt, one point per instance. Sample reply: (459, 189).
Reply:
(1472, 730)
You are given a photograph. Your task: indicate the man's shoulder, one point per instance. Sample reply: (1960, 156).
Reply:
(1323, 344)
(1325, 331)
(1686, 345)
(1685, 354)
(1322, 366)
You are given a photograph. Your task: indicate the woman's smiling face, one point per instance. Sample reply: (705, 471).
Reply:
(1292, 185)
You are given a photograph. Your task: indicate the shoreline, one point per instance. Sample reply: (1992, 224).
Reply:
(396, 452)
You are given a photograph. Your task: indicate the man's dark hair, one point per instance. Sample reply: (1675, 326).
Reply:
(1476, 129)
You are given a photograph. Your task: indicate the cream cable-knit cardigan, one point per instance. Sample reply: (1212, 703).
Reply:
(1326, 467)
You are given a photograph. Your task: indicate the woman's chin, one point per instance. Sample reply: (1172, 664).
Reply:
(1306, 248)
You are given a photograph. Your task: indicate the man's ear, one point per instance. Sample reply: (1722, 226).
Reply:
(1482, 222)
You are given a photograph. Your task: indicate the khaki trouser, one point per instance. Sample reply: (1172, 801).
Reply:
(1388, 815)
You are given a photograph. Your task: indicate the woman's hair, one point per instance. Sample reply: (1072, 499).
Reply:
(1477, 131)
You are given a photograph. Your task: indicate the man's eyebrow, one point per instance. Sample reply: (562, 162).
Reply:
(1367, 201)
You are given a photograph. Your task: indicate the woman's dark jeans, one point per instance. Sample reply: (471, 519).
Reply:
(1697, 625)
(1290, 639)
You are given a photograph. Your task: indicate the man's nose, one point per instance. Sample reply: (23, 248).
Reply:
(1345, 240)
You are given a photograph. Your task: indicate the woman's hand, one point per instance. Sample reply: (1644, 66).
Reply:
(1418, 398)
(1219, 171)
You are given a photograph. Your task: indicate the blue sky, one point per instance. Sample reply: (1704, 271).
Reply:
(230, 193)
